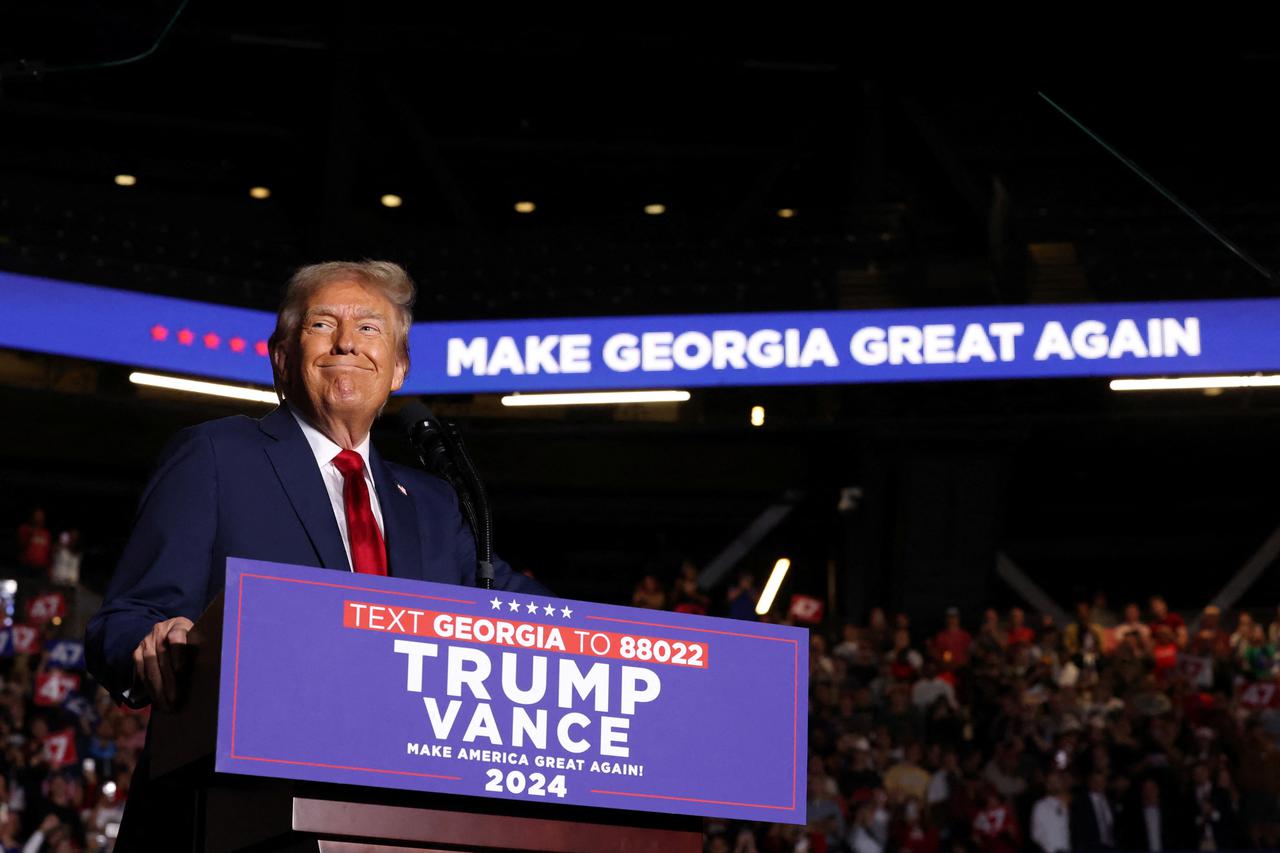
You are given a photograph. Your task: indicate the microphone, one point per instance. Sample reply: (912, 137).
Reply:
(441, 451)
(426, 436)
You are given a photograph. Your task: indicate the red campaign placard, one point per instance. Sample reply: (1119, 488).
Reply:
(50, 605)
(806, 608)
(489, 630)
(1258, 695)
(59, 749)
(53, 686)
(26, 639)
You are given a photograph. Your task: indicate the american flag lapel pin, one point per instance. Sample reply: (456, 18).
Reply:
(403, 490)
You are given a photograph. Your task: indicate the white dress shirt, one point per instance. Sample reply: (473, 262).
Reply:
(1102, 814)
(1050, 827)
(324, 451)
(1151, 814)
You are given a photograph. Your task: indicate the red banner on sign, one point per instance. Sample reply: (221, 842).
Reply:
(59, 749)
(806, 608)
(50, 605)
(1259, 695)
(53, 686)
(489, 630)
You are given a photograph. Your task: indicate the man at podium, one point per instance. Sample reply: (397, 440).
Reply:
(302, 485)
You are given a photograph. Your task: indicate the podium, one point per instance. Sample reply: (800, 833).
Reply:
(190, 806)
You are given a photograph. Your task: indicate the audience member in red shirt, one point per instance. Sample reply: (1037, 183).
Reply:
(1019, 633)
(35, 543)
(1211, 639)
(905, 662)
(1165, 652)
(951, 646)
(1162, 617)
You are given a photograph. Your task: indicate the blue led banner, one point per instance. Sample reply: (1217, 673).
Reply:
(137, 329)
(677, 351)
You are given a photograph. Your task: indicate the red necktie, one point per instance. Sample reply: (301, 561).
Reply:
(368, 554)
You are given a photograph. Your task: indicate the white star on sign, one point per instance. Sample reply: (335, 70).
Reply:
(497, 604)
(513, 605)
(532, 608)
(549, 610)
(566, 611)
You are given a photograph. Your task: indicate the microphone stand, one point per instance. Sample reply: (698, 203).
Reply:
(442, 452)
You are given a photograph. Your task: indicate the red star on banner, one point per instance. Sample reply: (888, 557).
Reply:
(260, 348)
(211, 341)
(158, 332)
(236, 344)
(185, 337)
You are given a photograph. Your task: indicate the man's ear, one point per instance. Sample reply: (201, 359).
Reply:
(279, 360)
(401, 371)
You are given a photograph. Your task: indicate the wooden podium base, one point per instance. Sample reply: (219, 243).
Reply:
(464, 831)
(280, 816)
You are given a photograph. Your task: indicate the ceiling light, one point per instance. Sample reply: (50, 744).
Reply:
(259, 193)
(125, 180)
(1183, 383)
(655, 209)
(213, 389)
(390, 200)
(786, 213)
(757, 416)
(771, 586)
(595, 398)
(525, 207)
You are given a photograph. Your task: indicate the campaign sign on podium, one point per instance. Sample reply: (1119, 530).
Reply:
(365, 680)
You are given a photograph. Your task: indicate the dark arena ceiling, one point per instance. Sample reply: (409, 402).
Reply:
(916, 176)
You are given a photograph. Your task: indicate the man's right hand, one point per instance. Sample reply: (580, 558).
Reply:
(157, 661)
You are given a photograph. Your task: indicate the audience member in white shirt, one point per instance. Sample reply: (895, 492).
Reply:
(1050, 821)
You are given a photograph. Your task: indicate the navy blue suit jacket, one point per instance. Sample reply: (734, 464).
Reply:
(239, 487)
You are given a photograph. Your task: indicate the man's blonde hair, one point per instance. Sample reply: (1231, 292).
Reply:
(389, 279)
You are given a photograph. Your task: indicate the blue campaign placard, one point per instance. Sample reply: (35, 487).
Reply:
(366, 680)
(66, 654)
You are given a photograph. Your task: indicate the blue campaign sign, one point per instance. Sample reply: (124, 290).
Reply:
(66, 654)
(366, 680)
(81, 707)
(676, 351)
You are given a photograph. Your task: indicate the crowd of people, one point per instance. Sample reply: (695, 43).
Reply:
(67, 751)
(1125, 731)
(1099, 731)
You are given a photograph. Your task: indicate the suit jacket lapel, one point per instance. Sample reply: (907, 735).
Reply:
(399, 522)
(296, 467)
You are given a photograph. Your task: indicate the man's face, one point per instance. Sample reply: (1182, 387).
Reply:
(346, 360)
